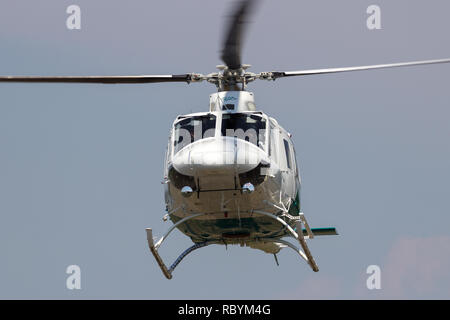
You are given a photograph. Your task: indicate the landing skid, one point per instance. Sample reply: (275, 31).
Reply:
(154, 246)
(154, 250)
(298, 234)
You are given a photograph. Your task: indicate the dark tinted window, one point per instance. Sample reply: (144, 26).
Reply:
(193, 128)
(247, 127)
(288, 154)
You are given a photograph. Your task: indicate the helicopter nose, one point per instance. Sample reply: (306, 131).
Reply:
(224, 155)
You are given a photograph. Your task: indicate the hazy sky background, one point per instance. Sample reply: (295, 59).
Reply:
(81, 165)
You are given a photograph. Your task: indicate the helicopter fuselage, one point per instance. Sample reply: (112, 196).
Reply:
(227, 163)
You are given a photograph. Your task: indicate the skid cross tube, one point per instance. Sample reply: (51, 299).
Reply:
(154, 247)
(158, 244)
(299, 236)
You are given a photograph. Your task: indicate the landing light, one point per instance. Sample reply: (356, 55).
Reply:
(248, 188)
(186, 191)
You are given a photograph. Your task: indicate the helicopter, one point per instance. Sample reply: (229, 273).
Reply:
(230, 175)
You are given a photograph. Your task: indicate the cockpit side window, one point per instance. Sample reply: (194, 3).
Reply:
(248, 127)
(168, 154)
(288, 154)
(273, 141)
(192, 129)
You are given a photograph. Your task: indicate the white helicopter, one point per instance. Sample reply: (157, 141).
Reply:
(230, 173)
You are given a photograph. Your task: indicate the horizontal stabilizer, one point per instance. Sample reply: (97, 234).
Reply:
(322, 232)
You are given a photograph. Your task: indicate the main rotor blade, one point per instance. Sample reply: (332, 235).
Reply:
(100, 79)
(276, 75)
(231, 51)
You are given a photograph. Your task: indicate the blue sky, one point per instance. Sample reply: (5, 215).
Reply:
(81, 165)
